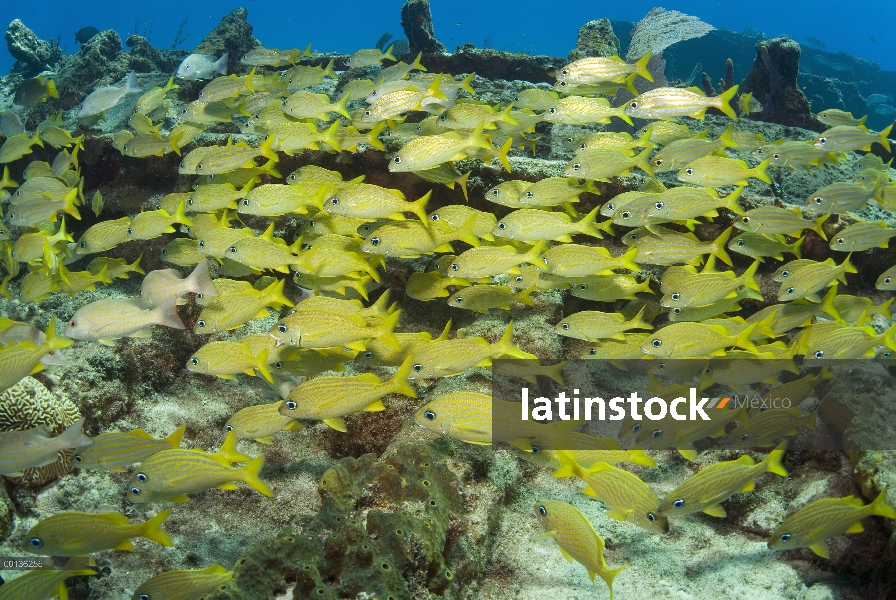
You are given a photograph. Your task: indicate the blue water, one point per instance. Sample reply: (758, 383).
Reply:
(535, 27)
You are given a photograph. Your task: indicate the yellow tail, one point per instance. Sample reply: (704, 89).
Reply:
(251, 477)
(152, 529)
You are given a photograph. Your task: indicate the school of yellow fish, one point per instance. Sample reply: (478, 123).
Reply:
(353, 227)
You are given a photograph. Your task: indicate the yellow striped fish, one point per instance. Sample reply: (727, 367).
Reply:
(812, 278)
(30, 448)
(769, 426)
(628, 498)
(695, 340)
(214, 160)
(576, 538)
(818, 521)
(661, 246)
(483, 297)
(844, 138)
(260, 422)
(231, 309)
(706, 490)
(325, 330)
(487, 261)
(716, 171)
(681, 153)
(771, 220)
(117, 450)
(41, 584)
(609, 288)
(593, 325)
(225, 358)
(18, 360)
(183, 584)
(329, 399)
(71, 533)
(170, 475)
(531, 225)
(116, 268)
(668, 103)
(151, 224)
(863, 235)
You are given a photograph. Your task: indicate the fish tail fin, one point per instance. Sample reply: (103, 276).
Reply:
(620, 114)
(373, 137)
(70, 202)
(265, 149)
(759, 171)
(587, 225)
(152, 529)
(418, 207)
(73, 437)
(726, 139)
(306, 52)
(568, 465)
(52, 341)
(725, 99)
(742, 340)
(881, 508)
(166, 314)
(505, 115)
(7, 182)
(638, 322)
(175, 438)
(131, 83)
(641, 66)
(220, 65)
(385, 330)
(642, 161)
(506, 347)
(463, 185)
(465, 84)
(262, 365)
(174, 141)
(610, 576)
(103, 275)
(883, 137)
(180, 215)
(795, 248)
(556, 372)
(630, 84)
(627, 260)
(400, 383)
(274, 293)
(329, 136)
(533, 256)
(827, 302)
(416, 64)
(62, 235)
(229, 452)
(718, 247)
(749, 276)
(249, 78)
(502, 153)
(639, 457)
(200, 280)
(525, 296)
(848, 268)
(340, 107)
(773, 460)
(51, 89)
(251, 473)
(817, 229)
(388, 53)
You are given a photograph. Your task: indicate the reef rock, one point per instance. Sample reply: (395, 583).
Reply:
(596, 38)
(32, 54)
(100, 61)
(232, 35)
(416, 19)
(772, 80)
(146, 59)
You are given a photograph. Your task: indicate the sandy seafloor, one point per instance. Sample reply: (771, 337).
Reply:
(142, 383)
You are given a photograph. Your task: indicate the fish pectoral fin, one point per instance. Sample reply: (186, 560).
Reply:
(125, 545)
(143, 333)
(589, 492)
(227, 485)
(486, 362)
(522, 444)
(265, 440)
(857, 528)
(107, 342)
(618, 513)
(820, 549)
(688, 453)
(337, 423)
(180, 498)
(375, 407)
(357, 345)
(566, 555)
(549, 535)
(748, 487)
(715, 511)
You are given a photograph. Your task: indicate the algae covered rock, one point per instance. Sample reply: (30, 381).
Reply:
(32, 54)
(100, 61)
(146, 59)
(232, 35)
(416, 19)
(386, 529)
(596, 38)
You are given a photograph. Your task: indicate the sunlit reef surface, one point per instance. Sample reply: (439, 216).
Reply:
(316, 210)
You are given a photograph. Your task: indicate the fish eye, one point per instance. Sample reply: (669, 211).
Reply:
(82, 244)
(443, 118)
(291, 405)
(78, 458)
(135, 491)
(536, 450)
(583, 286)
(417, 368)
(199, 166)
(200, 323)
(232, 249)
(564, 72)
(745, 437)
(887, 280)
(819, 354)
(633, 105)
(396, 160)
(459, 300)
(659, 205)
(245, 202)
(656, 433)
(201, 244)
(822, 140)
(583, 146)
(745, 219)
(611, 206)
(35, 542)
(678, 503)
(562, 84)
(626, 214)
(676, 311)
(292, 177)
(143, 597)
(636, 428)
(190, 201)
(785, 537)
(651, 517)
(496, 193)
(886, 354)
(657, 343)
(72, 323)
(183, 112)
(519, 279)
(661, 366)
(141, 477)
(530, 195)
(576, 167)
(689, 171)
(552, 110)
(564, 326)
(658, 162)
(454, 267)
(740, 243)
(375, 241)
(676, 296)
(433, 217)
(785, 273)
(819, 200)
(790, 290)
(366, 113)
(334, 201)
(130, 231)
(840, 240)
(282, 328)
(228, 427)
(502, 225)
(542, 511)
(278, 365)
(368, 355)
(592, 351)
(194, 361)
(430, 416)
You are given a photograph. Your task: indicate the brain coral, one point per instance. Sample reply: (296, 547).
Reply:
(28, 404)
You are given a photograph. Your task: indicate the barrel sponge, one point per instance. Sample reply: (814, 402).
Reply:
(28, 404)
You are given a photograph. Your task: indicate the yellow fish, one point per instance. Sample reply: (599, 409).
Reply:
(151, 224)
(329, 399)
(366, 201)
(668, 103)
(41, 584)
(183, 584)
(531, 225)
(592, 325)
(431, 285)
(170, 475)
(706, 490)
(818, 521)
(717, 171)
(224, 358)
(17, 146)
(230, 310)
(576, 538)
(23, 358)
(770, 425)
(260, 422)
(694, 340)
(863, 235)
(487, 261)
(325, 330)
(71, 533)
(574, 260)
(116, 450)
(483, 297)
(426, 152)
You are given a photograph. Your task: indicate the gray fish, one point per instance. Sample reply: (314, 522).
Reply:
(884, 109)
(85, 34)
(106, 97)
(202, 66)
(877, 99)
(11, 124)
